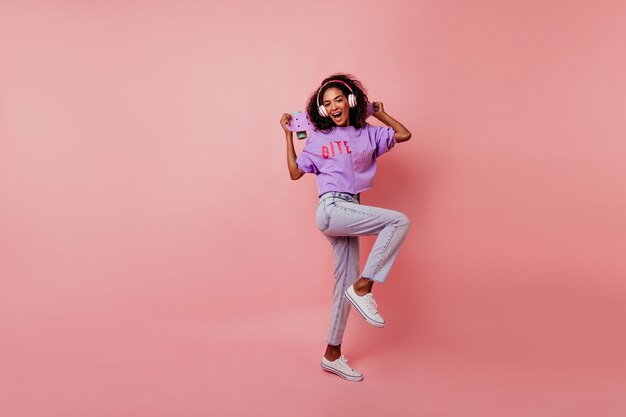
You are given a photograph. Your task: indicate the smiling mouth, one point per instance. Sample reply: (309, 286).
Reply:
(337, 115)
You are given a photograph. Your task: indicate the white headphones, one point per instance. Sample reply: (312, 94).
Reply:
(351, 98)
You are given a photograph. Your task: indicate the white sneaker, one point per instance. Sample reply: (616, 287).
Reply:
(366, 306)
(340, 367)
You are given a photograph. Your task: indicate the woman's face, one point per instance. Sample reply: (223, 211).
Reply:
(336, 104)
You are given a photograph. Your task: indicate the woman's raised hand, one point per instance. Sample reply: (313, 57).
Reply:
(284, 122)
(378, 108)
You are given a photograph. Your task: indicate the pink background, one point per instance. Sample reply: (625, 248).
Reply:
(156, 260)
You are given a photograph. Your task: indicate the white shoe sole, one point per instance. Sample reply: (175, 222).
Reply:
(341, 374)
(361, 312)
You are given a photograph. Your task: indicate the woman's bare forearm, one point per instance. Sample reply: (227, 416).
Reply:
(294, 171)
(402, 134)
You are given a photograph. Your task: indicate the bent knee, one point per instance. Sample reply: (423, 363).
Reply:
(403, 221)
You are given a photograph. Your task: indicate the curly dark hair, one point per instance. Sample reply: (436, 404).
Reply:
(357, 114)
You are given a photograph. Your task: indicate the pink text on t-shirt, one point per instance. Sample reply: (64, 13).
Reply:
(326, 153)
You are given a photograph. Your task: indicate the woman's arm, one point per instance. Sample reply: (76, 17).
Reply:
(294, 172)
(402, 134)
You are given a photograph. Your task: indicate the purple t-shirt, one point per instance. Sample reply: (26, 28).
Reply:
(345, 158)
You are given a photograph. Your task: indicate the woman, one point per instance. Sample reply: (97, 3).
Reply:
(341, 151)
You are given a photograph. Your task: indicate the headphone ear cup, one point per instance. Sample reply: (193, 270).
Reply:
(322, 111)
(352, 100)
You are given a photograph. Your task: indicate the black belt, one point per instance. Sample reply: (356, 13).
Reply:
(340, 194)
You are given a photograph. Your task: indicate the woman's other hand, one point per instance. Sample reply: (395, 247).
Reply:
(284, 122)
(378, 108)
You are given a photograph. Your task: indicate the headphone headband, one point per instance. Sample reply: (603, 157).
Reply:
(329, 82)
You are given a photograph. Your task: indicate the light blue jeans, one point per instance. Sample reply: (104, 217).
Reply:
(342, 219)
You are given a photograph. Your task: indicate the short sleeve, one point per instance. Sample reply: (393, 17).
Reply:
(384, 137)
(305, 164)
